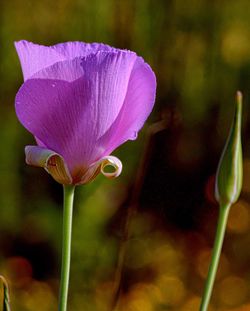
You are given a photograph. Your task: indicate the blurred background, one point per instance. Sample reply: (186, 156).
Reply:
(200, 52)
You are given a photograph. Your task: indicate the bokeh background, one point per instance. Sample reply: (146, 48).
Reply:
(200, 52)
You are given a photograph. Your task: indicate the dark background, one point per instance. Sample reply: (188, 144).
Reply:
(200, 52)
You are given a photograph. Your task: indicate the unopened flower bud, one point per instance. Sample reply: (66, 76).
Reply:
(229, 173)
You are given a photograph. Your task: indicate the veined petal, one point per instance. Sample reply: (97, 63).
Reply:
(80, 49)
(71, 117)
(109, 75)
(137, 106)
(35, 57)
(51, 161)
(67, 70)
(81, 101)
(99, 167)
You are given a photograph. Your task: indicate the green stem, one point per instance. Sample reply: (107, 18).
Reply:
(219, 237)
(66, 245)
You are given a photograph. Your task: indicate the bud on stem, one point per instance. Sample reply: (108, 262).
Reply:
(229, 173)
(227, 191)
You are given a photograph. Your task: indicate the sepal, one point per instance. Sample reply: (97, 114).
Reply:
(51, 161)
(99, 167)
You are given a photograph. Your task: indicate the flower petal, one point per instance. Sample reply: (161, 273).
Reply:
(51, 161)
(68, 70)
(70, 118)
(35, 57)
(81, 49)
(99, 167)
(137, 106)
(109, 75)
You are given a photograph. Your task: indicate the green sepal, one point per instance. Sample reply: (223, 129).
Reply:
(5, 298)
(230, 172)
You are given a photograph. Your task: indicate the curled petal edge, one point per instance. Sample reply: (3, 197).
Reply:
(99, 167)
(55, 165)
(51, 161)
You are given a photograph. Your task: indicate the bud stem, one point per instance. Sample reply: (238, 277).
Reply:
(219, 237)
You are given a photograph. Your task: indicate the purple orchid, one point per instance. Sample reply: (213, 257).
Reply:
(81, 101)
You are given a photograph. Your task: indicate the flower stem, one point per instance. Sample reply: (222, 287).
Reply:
(219, 237)
(66, 245)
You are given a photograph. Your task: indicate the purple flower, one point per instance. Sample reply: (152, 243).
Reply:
(81, 101)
